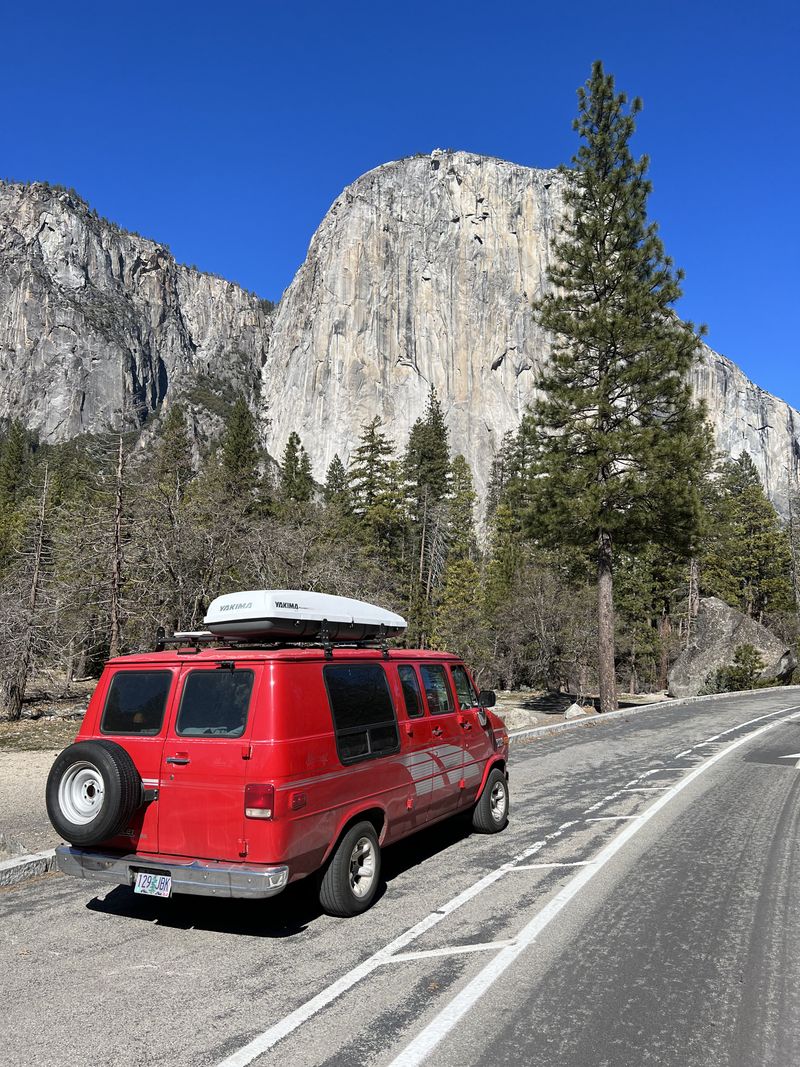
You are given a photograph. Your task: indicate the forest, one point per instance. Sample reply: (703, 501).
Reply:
(105, 539)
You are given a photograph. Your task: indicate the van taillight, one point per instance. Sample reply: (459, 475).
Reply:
(259, 801)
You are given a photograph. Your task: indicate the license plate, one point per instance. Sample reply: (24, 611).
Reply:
(153, 885)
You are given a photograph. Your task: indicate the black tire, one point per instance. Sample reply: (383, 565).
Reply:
(490, 814)
(337, 893)
(92, 791)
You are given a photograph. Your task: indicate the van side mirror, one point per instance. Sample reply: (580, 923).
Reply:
(487, 698)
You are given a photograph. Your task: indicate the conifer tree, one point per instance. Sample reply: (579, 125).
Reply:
(460, 511)
(336, 487)
(173, 462)
(747, 560)
(240, 451)
(374, 484)
(426, 462)
(296, 482)
(619, 441)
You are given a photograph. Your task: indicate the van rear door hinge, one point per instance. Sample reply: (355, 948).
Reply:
(243, 847)
(247, 751)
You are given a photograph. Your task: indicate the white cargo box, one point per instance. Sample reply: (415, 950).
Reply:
(294, 615)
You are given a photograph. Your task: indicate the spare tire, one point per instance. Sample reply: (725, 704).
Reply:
(92, 790)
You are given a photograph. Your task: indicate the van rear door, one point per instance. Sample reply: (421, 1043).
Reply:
(135, 703)
(203, 770)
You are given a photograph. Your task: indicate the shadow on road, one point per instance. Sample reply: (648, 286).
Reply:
(289, 913)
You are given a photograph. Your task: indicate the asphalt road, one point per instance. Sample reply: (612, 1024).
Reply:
(641, 908)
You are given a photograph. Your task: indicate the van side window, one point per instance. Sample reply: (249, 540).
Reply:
(465, 693)
(363, 714)
(411, 693)
(214, 703)
(436, 688)
(135, 702)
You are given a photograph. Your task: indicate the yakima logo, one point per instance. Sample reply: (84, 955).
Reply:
(236, 607)
(286, 604)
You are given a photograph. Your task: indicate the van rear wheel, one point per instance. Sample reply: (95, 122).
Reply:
(350, 881)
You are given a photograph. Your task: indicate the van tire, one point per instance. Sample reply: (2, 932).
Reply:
(92, 791)
(490, 814)
(343, 891)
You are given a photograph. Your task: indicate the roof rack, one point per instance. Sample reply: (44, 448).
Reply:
(195, 638)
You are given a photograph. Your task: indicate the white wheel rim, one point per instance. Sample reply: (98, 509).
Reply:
(498, 801)
(362, 867)
(81, 793)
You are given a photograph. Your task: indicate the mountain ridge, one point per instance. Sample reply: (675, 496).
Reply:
(421, 273)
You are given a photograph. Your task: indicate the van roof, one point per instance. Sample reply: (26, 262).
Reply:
(215, 655)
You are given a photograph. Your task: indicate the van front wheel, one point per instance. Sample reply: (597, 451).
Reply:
(490, 814)
(350, 881)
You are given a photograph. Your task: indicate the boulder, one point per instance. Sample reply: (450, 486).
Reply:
(719, 629)
(575, 711)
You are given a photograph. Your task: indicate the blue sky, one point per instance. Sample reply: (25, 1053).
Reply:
(227, 131)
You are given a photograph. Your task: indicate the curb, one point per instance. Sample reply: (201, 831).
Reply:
(638, 709)
(21, 868)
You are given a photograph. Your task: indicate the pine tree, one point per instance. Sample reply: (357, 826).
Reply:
(499, 475)
(14, 451)
(336, 487)
(618, 438)
(747, 560)
(296, 481)
(426, 463)
(461, 511)
(240, 451)
(374, 484)
(173, 461)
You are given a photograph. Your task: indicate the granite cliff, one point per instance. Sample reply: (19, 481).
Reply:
(99, 326)
(422, 273)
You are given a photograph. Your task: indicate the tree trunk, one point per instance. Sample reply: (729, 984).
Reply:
(693, 598)
(116, 562)
(15, 690)
(605, 624)
(664, 635)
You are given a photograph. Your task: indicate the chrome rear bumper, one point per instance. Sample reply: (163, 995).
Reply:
(202, 878)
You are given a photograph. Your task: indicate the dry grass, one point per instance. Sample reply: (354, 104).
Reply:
(31, 735)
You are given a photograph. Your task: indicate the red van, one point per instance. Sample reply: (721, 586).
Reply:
(231, 771)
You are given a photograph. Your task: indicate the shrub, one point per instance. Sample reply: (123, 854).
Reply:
(741, 674)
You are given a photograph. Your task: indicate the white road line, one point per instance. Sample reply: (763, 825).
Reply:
(646, 788)
(611, 818)
(452, 950)
(544, 866)
(424, 1043)
(265, 1041)
(685, 752)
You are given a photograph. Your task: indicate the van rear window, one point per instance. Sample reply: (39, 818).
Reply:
(363, 714)
(214, 703)
(135, 702)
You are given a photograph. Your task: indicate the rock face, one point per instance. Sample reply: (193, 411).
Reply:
(719, 630)
(99, 326)
(422, 273)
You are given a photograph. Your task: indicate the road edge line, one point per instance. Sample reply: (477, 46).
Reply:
(418, 1050)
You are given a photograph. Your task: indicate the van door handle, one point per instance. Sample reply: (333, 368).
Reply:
(178, 759)
(437, 731)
